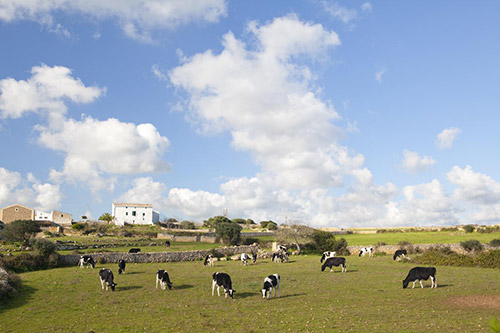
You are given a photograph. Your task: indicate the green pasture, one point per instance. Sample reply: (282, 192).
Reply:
(368, 298)
(418, 237)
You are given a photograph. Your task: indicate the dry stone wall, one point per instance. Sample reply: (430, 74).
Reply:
(151, 257)
(390, 249)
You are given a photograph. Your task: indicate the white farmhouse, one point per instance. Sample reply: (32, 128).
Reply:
(134, 213)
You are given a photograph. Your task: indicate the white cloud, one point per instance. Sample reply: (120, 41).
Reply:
(137, 18)
(46, 90)
(158, 73)
(447, 136)
(474, 187)
(367, 7)
(93, 149)
(414, 163)
(28, 191)
(340, 12)
(379, 74)
(267, 102)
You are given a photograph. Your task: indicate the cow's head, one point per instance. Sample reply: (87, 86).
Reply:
(112, 285)
(405, 284)
(229, 292)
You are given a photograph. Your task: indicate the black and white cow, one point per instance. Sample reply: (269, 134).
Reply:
(222, 280)
(327, 254)
(254, 257)
(167, 243)
(334, 261)
(366, 250)
(281, 248)
(244, 258)
(421, 273)
(106, 277)
(163, 278)
(86, 260)
(134, 250)
(278, 256)
(121, 266)
(400, 254)
(271, 282)
(209, 260)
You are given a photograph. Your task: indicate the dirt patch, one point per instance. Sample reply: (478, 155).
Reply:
(475, 301)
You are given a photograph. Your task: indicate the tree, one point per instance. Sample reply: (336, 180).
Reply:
(187, 225)
(239, 221)
(213, 221)
(250, 221)
(106, 217)
(229, 232)
(296, 234)
(325, 241)
(20, 231)
(269, 225)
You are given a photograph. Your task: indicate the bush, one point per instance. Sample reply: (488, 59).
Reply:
(187, 225)
(78, 226)
(9, 283)
(449, 229)
(408, 246)
(469, 228)
(484, 259)
(495, 242)
(472, 245)
(20, 231)
(43, 247)
(228, 232)
(269, 225)
(325, 241)
(250, 241)
(31, 262)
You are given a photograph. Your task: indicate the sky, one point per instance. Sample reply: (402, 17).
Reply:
(325, 113)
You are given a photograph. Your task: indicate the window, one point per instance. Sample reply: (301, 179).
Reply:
(143, 214)
(126, 213)
(133, 213)
(17, 209)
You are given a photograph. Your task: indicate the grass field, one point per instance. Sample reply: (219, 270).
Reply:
(418, 237)
(369, 297)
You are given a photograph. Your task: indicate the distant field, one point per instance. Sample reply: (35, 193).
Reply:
(369, 297)
(417, 237)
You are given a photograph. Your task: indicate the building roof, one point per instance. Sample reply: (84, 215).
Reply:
(132, 205)
(18, 205)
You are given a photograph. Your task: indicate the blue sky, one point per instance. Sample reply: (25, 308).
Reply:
(328, 113)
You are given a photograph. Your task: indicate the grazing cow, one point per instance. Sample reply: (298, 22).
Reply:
(254, 257)
(281, 248)
(134, 250)
(277, 256)
(366, 250)
(327, 254)
(106, 276)
(209, 260)
(400, 254)
(86, 260)
(244, 259)
(334, 261)
(271, 282)
(222, 280)
(121, 266)
(167, 243)
(162, 277)
(421, 273)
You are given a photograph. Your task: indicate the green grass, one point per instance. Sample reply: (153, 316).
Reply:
(417, 237)
(368, 298)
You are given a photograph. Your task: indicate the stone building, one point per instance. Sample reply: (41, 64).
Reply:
(16, 212)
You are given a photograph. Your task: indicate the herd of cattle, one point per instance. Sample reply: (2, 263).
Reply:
(271, 282)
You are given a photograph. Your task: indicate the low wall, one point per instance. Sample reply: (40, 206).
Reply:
(195, 238)
(150, 257)
(390, 249)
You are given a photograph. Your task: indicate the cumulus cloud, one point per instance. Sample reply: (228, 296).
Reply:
(28, 191)
(446, 137)
(474, 187)
(138, 19)
(414, 163)
(93, 149)
(268, 102)
(47, 90)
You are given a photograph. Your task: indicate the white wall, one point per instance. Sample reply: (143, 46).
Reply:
(42, 216)
(133, 215)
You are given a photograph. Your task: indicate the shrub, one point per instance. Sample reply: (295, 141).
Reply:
(472, 245)
(408, 246)
(78, 226)
(43, 247)
(228, 232)
(495, 242)
(187, 225)
(484, 259)
(9, 283)
(269, 225)
(250, 241)
(449, 229)
(20, 231)
(469, 228)
(325, 241)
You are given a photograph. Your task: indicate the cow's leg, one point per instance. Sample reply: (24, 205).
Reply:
(213, 286)
(279, 289)
(421, 284)
(156, 281)
(413, 284)
(102, 283)
(218, 291)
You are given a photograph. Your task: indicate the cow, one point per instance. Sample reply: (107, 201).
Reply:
(121, 266)
(86, 260)
(277, 256)
(222, 280)
(134, 250)
(366, 250)
(334, 261)
(209, 260)
(163, 278)
(167, 243)
(254, 257)
(327, 254)
(400, 254)
(244, 258)
(421, 273)
(271, 282)
(106, 277)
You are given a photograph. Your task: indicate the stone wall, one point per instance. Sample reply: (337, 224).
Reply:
(390, 249)
(151, 257)
(195, 238)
